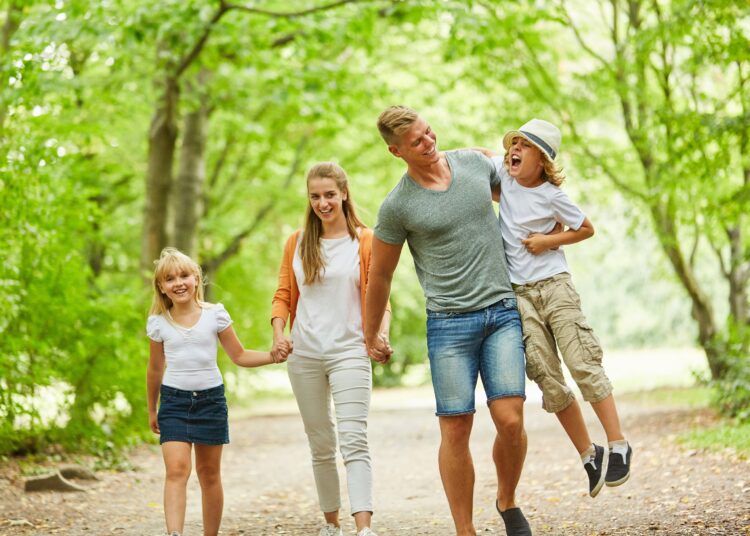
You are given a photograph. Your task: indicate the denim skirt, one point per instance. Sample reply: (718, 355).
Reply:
(193, 416)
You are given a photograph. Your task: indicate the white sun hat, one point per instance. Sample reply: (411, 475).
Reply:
(543, 134)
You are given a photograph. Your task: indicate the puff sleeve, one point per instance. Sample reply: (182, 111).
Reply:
(223, 320)
(153, 328)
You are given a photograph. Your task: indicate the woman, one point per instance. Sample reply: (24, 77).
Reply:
(321, 291)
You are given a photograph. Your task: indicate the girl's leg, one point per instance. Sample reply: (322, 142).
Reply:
(351, 386)
(177, 464)
(310, 386)
(607, 413)
(208, 467)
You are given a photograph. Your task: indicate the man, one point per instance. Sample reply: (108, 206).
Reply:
(443, 208)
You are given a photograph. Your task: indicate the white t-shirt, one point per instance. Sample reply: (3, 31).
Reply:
(191, 352)
(532, 210)
(328, 321)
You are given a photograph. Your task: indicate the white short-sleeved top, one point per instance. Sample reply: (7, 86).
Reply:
(328, 322)
(191, 352)
(532, 210)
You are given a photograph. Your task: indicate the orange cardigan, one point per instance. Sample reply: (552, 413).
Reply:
(284, 304)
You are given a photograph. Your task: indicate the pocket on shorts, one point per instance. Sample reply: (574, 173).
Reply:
(534, 366)
(592, 349)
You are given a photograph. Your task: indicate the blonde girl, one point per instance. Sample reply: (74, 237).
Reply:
(192, 412)
(321, 292)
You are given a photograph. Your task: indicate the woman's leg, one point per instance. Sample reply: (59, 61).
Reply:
(351, 386)
(208, 467)
(310, 386)
(177, 465)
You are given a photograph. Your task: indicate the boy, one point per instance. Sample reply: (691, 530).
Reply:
(531, 203)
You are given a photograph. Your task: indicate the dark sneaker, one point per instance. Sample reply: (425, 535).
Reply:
(619, 467)
(596, 468)
(515, 522)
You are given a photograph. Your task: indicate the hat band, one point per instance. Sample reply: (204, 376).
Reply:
(541, 143)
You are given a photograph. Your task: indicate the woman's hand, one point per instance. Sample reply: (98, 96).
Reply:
(281, 349)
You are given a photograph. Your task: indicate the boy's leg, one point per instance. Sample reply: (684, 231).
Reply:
(177, 464)
(208, 468)
(607, 412)
(572, 422)
(312, 392)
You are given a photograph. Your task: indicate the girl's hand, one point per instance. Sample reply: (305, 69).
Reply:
(536, 243)
(153, 423)
(281, 349)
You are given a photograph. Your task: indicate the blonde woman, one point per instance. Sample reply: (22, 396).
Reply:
(321, 292)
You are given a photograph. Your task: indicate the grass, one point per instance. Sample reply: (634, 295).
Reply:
(725, 434)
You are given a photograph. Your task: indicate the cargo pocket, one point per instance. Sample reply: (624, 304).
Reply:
(592, 349)
(534, 365)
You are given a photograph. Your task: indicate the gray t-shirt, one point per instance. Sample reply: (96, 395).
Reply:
(453, 235)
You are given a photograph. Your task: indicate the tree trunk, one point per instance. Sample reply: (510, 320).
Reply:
(187, 198)
(161, 147)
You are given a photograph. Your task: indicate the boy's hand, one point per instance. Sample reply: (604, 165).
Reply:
(536, 243)
(281, 349)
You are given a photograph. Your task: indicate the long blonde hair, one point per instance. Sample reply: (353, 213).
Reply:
(173, 260)
(313, 263)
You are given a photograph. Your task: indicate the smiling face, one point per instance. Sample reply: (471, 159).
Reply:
(417, 145)
(179, 284)
(326, 199)
(525, 161)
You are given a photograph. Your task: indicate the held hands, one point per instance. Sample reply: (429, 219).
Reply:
(281, 349)
(380, 349)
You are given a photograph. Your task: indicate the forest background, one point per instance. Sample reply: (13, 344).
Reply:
(128, 125)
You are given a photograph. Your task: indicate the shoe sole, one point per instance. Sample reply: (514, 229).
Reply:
(619, 482)
(594, 492)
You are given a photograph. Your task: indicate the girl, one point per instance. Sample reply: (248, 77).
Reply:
(183, 330)
(321, 291)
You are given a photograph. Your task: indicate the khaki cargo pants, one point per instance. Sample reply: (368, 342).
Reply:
(552, 318)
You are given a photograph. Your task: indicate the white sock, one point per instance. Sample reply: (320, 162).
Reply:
(620, 447)
(587, 454)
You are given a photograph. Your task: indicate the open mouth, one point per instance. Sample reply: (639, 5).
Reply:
(515, 160)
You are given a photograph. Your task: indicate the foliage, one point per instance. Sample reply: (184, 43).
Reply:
(723, 437)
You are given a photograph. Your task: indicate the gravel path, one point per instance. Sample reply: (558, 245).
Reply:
(269, 488)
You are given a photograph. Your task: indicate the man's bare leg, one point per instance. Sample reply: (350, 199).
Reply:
(457, 470)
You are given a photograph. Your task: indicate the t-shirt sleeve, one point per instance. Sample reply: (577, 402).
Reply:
(565, 211)
(223, 320)
(153, 328)
(496, 169)
(390, 228)
(499, 164)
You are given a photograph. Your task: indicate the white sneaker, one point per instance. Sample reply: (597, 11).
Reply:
(367, 531)
(330, 530)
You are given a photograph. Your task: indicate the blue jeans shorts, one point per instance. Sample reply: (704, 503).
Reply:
(461, 346)
(193, 416)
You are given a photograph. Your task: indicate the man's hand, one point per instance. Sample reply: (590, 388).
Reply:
(380, 349)
(536, 243)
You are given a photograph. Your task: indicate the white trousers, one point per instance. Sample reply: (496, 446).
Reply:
(349, 380)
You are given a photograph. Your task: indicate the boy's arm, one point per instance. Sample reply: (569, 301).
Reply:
(237, 353)
(538, 243)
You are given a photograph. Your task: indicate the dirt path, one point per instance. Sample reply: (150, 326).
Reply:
(269, 488)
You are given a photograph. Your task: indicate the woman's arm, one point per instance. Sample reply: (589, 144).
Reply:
(154, 375)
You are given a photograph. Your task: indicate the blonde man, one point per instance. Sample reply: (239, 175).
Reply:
(443, 208)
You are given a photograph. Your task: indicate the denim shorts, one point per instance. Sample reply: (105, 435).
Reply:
(193, 416)
(462, 346)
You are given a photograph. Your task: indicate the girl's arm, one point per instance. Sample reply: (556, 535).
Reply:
(154, 375)
(241, 357)
(538, 243)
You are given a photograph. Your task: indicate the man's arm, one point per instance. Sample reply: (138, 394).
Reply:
(382, 265)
